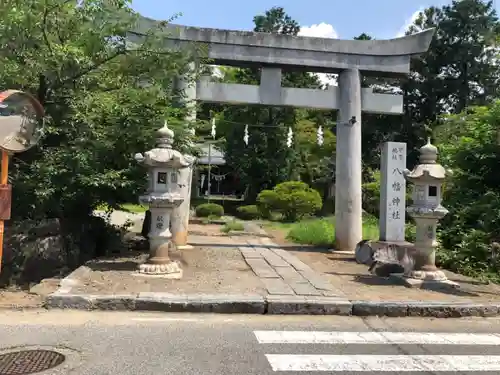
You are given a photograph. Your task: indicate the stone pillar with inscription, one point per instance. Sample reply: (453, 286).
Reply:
(163, 195)
(427, 179)
(391, 248)
(392, 192)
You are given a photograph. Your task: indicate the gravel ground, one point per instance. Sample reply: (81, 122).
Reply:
(210, 270)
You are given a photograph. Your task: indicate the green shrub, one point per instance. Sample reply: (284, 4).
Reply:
(293, 199)
(314, 232)
(209, 209)
(410, 232)
(371, 194)
(266, 201)
(232, 225)
(250, 212)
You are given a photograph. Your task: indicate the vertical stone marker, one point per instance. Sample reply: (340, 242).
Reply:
(392, 192)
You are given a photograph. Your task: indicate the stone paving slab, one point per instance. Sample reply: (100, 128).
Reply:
(290, 275)
(277, 286)
(305, 289)
(250, 253)
(292, 260)
(261, 268)
(272, 258)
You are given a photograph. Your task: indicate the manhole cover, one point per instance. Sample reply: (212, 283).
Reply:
(29, 361)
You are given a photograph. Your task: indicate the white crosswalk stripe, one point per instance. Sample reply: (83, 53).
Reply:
(380, 362)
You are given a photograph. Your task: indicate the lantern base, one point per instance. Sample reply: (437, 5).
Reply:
(431, 280)
(184, 247)
(170, 270)
(427, 275)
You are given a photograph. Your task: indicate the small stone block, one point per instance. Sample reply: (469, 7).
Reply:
(114, 302)
(307, 305)
(232, 304)
(68, 301)
(167, 302)
(331, 305)
(375, 308)
(201, 303)
(262, 268)
(277, 286)
(452, 310)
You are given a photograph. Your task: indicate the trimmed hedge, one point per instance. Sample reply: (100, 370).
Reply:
(209, 209)
(250, 212)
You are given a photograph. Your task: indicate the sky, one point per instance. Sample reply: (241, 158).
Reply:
(344, 19)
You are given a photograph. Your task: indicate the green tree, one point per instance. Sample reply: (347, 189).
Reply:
(266, 161)
(378, 128)
(469, 146)
(104, 97)
(459, 69)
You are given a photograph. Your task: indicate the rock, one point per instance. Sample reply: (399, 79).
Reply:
(48, 227)
(364, 252)
(374, 253)
(386, 269)
(135, 241)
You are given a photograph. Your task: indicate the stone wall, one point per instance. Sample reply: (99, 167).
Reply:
(32, 251)
(37, 250)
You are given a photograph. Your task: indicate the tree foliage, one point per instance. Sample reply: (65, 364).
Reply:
(459, 69)
(470, 147)
(104, 97)
(292, 199)
(266, 161)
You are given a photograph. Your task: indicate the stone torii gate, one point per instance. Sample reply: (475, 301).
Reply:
(274, 52)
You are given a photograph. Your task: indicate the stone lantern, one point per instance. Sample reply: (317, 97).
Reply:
(163, 195)
(427, 179)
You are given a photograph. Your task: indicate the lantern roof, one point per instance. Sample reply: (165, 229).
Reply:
(429, 169)
(163, 155)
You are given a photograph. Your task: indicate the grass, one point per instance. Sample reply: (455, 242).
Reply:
(321, 231)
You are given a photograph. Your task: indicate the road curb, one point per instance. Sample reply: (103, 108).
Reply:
(425, 309)
(270, 305)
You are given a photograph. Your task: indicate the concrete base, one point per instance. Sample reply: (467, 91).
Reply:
(184, 247)
(170, 276)
(344, 252)
(424, 283)
(170, 270)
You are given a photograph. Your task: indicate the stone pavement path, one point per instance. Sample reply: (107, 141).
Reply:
(282, 273)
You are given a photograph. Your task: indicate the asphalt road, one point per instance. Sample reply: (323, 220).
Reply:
(157, 344)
